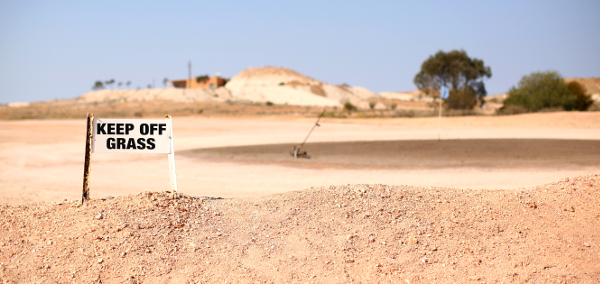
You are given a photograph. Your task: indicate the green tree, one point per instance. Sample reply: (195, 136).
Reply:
(98, 85)
(110, 82)
(457, 71)
(583, 101)
(349, 107)
(541, 90)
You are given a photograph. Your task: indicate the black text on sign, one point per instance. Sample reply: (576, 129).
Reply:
(131, 136)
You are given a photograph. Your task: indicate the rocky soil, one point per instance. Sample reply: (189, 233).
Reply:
(338, 234)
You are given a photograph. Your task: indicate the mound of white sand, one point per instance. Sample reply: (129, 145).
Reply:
(267, 77)
(281, 84)
(283, 95)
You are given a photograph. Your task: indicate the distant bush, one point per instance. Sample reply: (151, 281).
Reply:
(393, 106)
(404, 113)
(512, 109)
(202, 78)
(268, 103)
(281, 84)
(541, 90)
(463, 98)
(372, 105)
(334, 114)
(349, 107)
(98, 85)
(583, 101)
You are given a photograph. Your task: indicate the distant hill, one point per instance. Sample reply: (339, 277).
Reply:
(254, 85)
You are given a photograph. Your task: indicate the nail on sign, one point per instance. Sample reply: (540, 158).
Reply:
(132, 136)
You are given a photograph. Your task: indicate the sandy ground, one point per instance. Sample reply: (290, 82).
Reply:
(521, 207)
(42, 160)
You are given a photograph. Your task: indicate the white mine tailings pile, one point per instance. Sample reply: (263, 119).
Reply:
(255, 85)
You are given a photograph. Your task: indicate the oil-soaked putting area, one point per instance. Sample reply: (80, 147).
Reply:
(480, 153)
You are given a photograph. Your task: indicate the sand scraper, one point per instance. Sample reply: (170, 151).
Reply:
(297, 149)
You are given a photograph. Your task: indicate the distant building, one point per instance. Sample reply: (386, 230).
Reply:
(200, 82)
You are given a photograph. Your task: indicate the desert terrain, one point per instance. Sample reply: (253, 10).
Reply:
(380, 200)
(388, 193)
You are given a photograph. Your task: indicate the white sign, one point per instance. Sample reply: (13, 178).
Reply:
(132, 136)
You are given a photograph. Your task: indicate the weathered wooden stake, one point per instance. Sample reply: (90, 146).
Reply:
(172, 173)
(88, 156)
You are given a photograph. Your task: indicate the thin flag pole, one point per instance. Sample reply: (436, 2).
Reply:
(440, 121)
(444, 93)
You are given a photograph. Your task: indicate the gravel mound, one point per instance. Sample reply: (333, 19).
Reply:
(339, 234)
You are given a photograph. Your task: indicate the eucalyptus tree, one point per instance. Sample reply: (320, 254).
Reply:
(461, 74)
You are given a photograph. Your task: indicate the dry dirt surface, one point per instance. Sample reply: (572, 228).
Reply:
(339, 234)
(508, 215)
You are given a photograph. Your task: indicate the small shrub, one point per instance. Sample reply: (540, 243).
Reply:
(541, 90)
(552, 109)
(202, 78)
(328, 114)
(393, 106)
(268, 103)
(458, 112)
(583, 101)
(349, 107)
(372, 105)
(594, 107)
(512, 109)
(462, 99)
(281, 84)
(200, 111)
(404, 113)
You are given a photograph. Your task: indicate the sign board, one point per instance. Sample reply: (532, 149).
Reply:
(132, 136)
(444, 92)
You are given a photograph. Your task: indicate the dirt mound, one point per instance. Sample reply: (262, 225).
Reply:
(268, 77)
(286, 86)
(354, 233)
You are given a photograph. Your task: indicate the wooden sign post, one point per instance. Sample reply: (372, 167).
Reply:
(88, 156)
(128, 136)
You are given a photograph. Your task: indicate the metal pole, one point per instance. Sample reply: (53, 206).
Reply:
(189, 85)
(440, 120)
(172, 172)
(88, 156)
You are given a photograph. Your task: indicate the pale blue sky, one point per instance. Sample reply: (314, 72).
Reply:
(58, 49)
